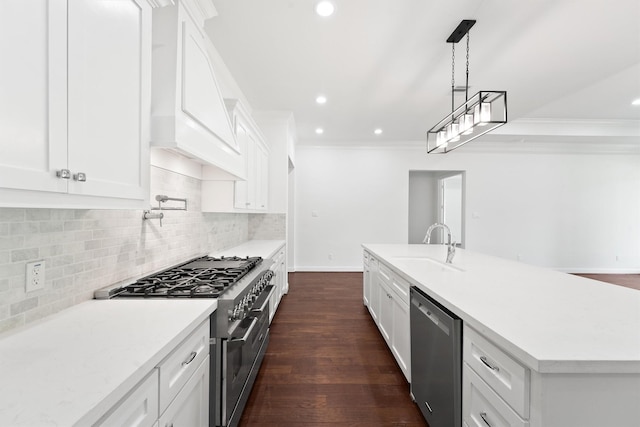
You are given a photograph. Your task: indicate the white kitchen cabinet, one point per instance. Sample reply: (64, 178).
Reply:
(191, 406)
(400, 330)
(188, 111)
(279, 280)
(138, 409)
(389, 307)
(175, 392)
(495, 387)
(179, 366)
(374, 289)
(366, 279)
(482, 406)
(224, 193)
(75, 103)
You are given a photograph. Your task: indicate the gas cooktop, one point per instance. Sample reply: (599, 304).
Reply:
(203, 277)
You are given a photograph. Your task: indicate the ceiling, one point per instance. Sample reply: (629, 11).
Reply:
(385, 64)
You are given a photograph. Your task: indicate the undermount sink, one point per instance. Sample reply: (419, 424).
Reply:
(425, 260)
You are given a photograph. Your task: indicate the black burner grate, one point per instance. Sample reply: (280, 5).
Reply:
(204, 277)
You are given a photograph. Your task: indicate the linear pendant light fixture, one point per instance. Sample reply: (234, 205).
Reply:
(480, 114)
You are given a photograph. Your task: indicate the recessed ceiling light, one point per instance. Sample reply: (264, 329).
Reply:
(321, 99)
(325, 8)
(636, 102)
(319, 131)
(377, 131)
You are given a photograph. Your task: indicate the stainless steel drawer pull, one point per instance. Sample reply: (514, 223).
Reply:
(428, 407)
(483, 359)
(63, 173)
(483, 415)
(190, 359)
(80, 176)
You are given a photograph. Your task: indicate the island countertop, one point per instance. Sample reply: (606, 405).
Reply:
(553, 322)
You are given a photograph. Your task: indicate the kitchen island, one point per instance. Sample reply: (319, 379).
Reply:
(574, 343)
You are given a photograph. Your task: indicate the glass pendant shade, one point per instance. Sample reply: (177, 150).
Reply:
(485, 113)
(480, 114)
(467, 124)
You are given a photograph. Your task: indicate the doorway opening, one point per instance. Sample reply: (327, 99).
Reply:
(437, 196)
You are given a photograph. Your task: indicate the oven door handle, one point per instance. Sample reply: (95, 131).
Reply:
(265, 303)
(246, 335)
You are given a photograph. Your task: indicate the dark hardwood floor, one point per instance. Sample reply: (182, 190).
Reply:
(327, 364)
(627, 280)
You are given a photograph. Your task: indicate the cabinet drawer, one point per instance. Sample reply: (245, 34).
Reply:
(177, 368)
(384, 273)
(506, 376)
(482, 407)
(138, 409)
(400, 287)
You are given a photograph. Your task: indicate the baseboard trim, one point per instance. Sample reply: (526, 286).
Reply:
(328, 269)
(599, 270)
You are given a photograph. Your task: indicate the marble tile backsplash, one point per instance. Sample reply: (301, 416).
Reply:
(85, 250)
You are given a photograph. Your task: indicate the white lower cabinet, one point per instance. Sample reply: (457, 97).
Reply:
(190, 408)
(495, 387)
(366, 279)
(138, 409)
(279, 281)
(175, 393)
(482, 407)
(388, 303)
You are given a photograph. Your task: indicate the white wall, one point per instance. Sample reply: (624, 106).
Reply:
(423, 204)
(572, 212)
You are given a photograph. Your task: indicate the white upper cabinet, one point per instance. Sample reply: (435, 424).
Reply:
(188, 113)
(222, 193)
(74, 109)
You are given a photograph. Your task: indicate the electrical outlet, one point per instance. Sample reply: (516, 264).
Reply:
(35, 276)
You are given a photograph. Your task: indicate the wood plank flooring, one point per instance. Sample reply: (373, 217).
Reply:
(627, 280)
(327, 364)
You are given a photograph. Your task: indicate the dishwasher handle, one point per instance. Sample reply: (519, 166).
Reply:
(429, 314)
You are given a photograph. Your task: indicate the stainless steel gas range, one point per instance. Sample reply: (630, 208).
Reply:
(239, 326)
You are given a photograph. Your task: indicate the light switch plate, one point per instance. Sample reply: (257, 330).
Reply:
(35, 276)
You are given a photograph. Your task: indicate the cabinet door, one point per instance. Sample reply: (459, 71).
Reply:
(262, 178)
(374, 292)
(400, 335)
(191, 406)
(241, 188)
(385, 320)
(33, 95)
(109, 57)
(366, 280)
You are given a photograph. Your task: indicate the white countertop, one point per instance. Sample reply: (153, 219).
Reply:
(551, 321)
(70, 368)
(264, 248)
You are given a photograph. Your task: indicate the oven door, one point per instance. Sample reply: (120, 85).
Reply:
(243, 350)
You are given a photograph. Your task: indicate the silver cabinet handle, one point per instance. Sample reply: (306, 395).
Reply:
(190, 358)
(80, 176)
(483, 415)
(483, 359)
(63, 173)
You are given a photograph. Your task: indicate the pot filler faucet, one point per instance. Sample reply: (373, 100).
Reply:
(451, 246)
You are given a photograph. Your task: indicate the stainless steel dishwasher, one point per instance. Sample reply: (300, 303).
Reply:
(436, 361)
